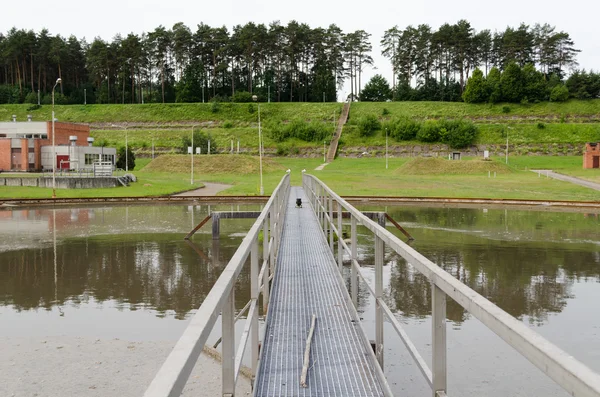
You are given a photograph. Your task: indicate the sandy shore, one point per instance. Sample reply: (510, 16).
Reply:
(67, 366)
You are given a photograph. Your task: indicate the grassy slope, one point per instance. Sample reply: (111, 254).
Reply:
(564, 123)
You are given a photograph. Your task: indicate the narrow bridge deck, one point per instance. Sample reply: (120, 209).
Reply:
(307, 282)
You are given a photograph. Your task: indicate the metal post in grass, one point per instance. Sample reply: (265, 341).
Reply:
(58, 81)
(192, 157)
(386, 148)
(510, 128)
(262, 190)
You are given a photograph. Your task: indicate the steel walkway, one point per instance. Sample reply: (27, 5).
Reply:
(307, 282)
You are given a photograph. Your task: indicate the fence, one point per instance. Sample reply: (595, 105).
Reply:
(573, 376)
(174, 373)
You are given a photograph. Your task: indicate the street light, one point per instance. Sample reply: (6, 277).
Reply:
(510, 128)
(58, 81)
(386, 148)
(262, 191)
(192, 156)
(126, 151)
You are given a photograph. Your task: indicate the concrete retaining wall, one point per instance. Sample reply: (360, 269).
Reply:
(62, 183)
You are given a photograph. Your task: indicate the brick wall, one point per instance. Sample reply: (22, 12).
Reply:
(24, 155)
(4, 154)
(64, 130)
(591, 151)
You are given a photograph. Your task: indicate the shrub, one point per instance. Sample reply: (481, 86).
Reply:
(251, 108)
(241, 97)
(300, 129)
(283, 150)
(34, 107)
(541, 126)
(385, 112)
(429, 132)
(560, 93)
(368, 125)
(121, 163)
(403, 129)
(215, 107)
(228, 125)
(458, 133)
(505, 109)
(31, 98)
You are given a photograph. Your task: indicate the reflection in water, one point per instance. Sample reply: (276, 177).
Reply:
(114, 262)
(524, 261)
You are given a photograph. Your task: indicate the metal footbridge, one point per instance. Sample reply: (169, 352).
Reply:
(312, 342)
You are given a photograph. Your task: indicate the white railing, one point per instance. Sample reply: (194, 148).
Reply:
(566, 371)
(175, 371)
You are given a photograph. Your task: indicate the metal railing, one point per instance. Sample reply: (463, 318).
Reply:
(175, 371)
(81, 173)
(576, 378)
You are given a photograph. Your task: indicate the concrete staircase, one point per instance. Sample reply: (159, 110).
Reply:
(338, 132)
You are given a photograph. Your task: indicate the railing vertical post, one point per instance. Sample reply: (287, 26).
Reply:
(438, 323)
(254, 269)
(354, 272)
(266, 273)
(378, 297)
(272, 236)
(340, 237)
(331, 223)
(228, 332)
(325, 212)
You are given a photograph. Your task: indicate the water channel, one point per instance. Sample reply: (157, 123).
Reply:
(126, 272)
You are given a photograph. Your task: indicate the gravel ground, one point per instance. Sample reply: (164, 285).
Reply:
(66, 366)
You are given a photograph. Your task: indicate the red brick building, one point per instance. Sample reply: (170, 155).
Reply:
(591, 157)
(21, 143)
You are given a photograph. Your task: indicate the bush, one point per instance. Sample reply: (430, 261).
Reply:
(121, 163)
(429, 132)
(457, 133)
(368, 125)
(385, 112)
(228, 125)
(560, 93)
(505, 109)
(403, 129)
(251, 108)
(541, 126)
(31, 98)
(241, 97)
(201, 141)
(300, 129)
(215, 106)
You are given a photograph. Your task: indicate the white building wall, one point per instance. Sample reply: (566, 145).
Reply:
(76, 155)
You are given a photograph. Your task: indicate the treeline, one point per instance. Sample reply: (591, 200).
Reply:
(524, 85)
(285, 63)
(435, 65)
(276, 62)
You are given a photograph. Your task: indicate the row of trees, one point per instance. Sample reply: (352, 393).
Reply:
(292, 62)
(450, 54)
(288, 63)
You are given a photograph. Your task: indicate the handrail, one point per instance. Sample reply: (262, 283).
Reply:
(175, 371)
(576, 378)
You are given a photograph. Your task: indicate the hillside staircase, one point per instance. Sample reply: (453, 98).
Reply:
(338, 132)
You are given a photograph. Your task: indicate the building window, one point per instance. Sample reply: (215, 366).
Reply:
(108, 158)
(91, 158)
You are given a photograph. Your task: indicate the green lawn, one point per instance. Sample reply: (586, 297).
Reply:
(364, 176)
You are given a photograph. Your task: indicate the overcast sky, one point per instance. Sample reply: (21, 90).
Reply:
(107, 18)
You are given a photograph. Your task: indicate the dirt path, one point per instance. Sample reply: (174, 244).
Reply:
(78, 366)
(209, 189)
(566, 178)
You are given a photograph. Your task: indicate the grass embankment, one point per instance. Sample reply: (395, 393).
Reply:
(573, 122)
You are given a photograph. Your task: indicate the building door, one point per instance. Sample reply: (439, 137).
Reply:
(596, 162)
(15, 159)
(62, 162)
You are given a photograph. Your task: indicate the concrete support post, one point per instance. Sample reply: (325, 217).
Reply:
(438, 323)
(216, 226)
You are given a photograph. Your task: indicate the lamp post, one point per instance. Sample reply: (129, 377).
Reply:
(386, 148)
(510, 128)
(58, 81)
(126, 151)
(262, 190)
(324, 159)
(192, 156)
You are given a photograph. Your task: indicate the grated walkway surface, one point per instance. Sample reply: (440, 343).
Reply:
(306, 283)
